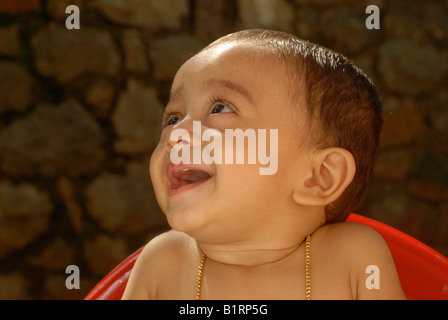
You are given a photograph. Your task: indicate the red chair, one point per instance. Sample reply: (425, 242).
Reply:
(112, 286)
(423, 271)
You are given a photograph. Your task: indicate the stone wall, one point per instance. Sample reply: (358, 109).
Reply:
(80, 110)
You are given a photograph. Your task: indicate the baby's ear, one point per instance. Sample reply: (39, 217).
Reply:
(331, 171)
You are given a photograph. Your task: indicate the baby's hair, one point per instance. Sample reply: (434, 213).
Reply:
(341, 101)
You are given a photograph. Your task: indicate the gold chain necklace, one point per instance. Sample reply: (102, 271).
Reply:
(199, 277)
(308, 267)
(307, 271)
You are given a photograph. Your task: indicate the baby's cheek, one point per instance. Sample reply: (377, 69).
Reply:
(156, 167)
(164, 135)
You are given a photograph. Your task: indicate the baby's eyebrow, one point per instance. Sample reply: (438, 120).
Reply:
(232, 86)
(175, 93)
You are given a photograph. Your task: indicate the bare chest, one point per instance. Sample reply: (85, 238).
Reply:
(283, 281)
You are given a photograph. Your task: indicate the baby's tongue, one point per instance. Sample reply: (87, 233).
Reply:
(189, 176)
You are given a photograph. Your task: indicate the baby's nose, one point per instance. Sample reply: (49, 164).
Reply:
(187, 132)
(180, 140)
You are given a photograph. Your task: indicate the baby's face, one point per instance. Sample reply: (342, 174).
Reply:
(230, 86)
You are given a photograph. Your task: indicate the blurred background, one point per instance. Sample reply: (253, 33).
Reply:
(80, 115)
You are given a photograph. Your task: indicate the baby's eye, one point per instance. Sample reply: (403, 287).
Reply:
(170, 119)
(220, 107)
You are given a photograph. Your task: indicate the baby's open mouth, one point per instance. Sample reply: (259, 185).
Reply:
(180, 176)
(187, 176)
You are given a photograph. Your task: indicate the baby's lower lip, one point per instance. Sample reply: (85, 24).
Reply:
(189, 186)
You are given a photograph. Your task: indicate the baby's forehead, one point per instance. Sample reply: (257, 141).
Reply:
(238, 60)
(258, 72)
(248, 51)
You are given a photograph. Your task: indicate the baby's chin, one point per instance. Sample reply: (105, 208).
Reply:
(187, 220)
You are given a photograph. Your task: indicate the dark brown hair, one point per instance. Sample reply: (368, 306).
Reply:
(341, 101)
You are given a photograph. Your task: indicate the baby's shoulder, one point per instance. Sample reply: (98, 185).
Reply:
(161, 260)
(352, 236)
(170, 242)
(353, 240)
(169, 249)
(360, 250)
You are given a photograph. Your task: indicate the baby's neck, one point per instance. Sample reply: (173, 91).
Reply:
(247, 255)
(258, 246)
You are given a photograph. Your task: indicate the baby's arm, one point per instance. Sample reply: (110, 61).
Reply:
(373, 273)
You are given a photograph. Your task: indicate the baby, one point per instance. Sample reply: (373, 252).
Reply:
(239, 234)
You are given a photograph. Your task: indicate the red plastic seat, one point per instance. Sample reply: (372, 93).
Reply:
(423, 271)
